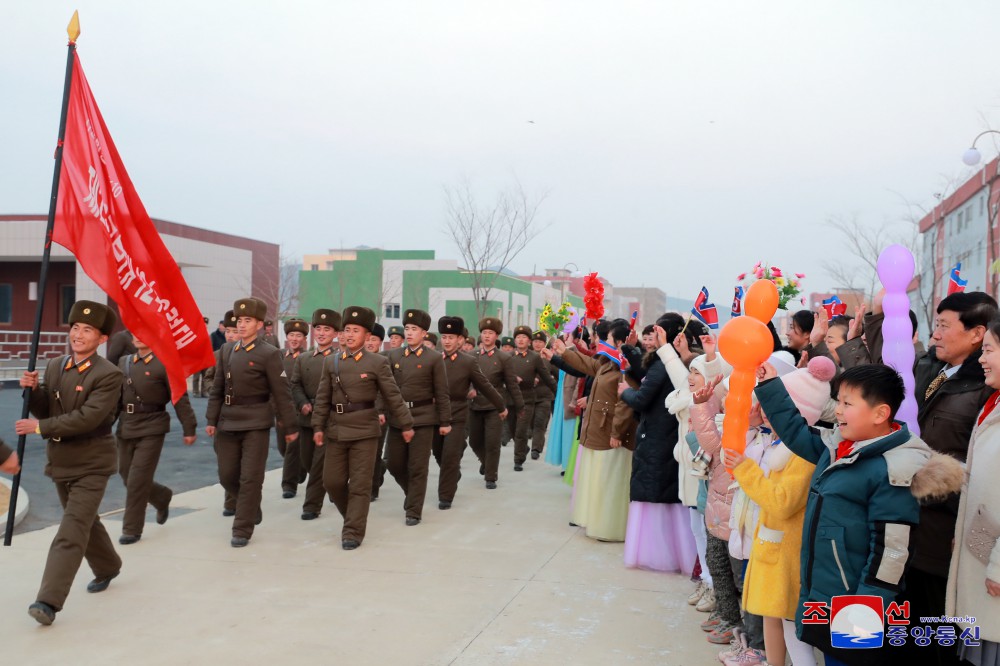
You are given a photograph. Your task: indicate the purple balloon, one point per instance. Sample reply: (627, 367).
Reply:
(895, 270)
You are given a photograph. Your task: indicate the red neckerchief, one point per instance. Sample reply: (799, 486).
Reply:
(990, 406)
(845, 447)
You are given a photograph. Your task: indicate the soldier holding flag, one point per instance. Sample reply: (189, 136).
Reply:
(75, 405)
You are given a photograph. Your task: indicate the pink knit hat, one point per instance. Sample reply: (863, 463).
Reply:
(809, 387)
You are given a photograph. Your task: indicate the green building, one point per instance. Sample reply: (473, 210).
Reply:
(392, 281)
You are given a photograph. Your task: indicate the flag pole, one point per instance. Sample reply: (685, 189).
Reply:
(73, 30)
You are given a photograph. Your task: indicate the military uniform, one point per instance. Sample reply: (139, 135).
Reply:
(143, 423)
(75, 403)
(484, 417)
(544, 397)
(270, 338)
(229, 500)
(293, 470)
(378, 474)
(242, 408)
(305, 386)
(344, 411)
(530, 370)
(420, 374)
(463, 373)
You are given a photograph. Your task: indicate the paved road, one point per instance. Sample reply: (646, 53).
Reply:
(182, 468)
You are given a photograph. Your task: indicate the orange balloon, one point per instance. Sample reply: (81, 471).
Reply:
(761, 301)
(745, 343)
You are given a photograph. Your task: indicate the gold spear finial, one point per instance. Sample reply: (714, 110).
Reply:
(73, 29)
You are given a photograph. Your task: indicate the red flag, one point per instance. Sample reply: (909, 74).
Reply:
(100, 219)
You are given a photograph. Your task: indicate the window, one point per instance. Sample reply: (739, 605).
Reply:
(314, 267)
(67, 296)
(392, 310)
(6, 303)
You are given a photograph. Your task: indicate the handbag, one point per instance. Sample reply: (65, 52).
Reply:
(983, 533)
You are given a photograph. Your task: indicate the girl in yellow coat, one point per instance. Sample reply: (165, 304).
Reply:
(780, 486)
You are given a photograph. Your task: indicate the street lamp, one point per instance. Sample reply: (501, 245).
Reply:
(972, 156)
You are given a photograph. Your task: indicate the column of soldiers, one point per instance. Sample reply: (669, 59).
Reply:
(332, 406)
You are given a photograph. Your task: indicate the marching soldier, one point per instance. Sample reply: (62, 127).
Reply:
(345, 420)
(530, 371)
(463, 374)
(507, 345)
(251, 385)
(544, 396)
(74, 406)
(420, 374)
(305, 384)
(143, 423)
(293, 471)
(229, 331)
(468, 342)
(395, 337)
(485, 417)
(374, 345)
(269, 336)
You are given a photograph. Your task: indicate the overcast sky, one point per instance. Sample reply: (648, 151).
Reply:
(678, 142)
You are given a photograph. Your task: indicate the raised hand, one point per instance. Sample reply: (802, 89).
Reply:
(821, 325)
(857, 327)
(703, 394)
(710, 345)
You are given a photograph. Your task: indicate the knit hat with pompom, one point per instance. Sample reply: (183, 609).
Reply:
(809, 387)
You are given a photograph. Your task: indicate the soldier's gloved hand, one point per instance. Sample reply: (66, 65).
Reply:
(408, 435)
(188, 441)
(318, 438)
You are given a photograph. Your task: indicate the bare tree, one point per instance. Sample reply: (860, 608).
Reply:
(282, 291)
(490, 236)
(863, 245)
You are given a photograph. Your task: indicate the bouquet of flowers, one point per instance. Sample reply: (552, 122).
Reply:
(593, 297)
(553, 321)
(788, 287)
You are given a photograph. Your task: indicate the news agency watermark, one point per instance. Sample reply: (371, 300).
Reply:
(860, 622)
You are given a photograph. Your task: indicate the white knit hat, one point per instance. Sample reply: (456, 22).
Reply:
(783, 362)
(809, 387)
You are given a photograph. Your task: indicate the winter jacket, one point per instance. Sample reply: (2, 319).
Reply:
(568, 405)
(693, 445)
(946, 421)
(721, 485)
(654, 470)
(860, 511)
(600, 419)
(745, 510)
(771, 588)
(967, 594)
(678, 402)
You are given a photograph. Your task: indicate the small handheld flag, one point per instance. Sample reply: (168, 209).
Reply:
(956, 284)
(834, 307)
(737, 302)
(705, 311)
(635, 316)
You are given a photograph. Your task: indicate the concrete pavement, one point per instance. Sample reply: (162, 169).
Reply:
(499, 579)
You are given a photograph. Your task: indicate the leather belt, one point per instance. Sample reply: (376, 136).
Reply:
(420, 403)
(342, 408)
(102, 431)
(143, 408)
(240, 400)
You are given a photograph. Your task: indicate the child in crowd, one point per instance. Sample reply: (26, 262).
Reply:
(727, 573)
(871, 473)
(779, 483)
(691, 491)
